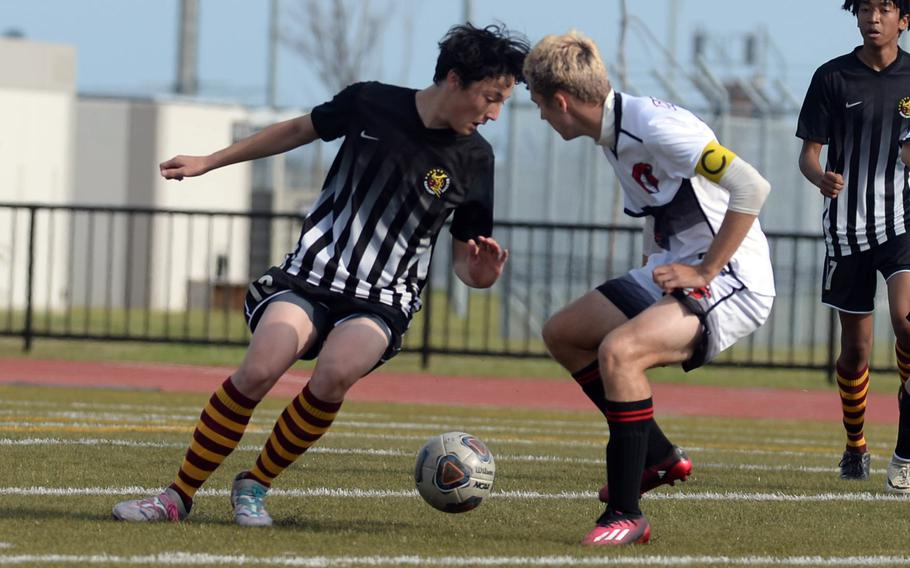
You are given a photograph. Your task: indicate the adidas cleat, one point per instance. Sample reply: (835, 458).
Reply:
(615, 528)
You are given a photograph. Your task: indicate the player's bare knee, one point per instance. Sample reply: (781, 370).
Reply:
(855, 350)
(901, 331)
(255, 376)
(553, 334)
(334, 378)
(618, 355)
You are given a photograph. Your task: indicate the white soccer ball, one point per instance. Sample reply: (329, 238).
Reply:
(454, 472)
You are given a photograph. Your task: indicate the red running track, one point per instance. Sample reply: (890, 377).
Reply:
(669, 399)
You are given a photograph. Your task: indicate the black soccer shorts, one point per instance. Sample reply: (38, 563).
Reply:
(849, 282)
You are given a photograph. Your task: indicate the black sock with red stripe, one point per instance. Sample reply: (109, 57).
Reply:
(902, 449)
(630, 425)
(659, 447)
(592, 385)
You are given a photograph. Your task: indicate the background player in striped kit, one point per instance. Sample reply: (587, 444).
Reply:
(859, 105)
(410, 159)
(706, 283)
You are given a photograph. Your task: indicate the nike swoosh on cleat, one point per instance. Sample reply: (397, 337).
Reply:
(363, 134)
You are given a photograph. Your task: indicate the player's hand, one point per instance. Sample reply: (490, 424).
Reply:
(180, 167)
(676, 275)
(830, 184)
(485, 260)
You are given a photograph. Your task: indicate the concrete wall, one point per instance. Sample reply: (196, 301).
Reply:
(37, 111)
(156, 261)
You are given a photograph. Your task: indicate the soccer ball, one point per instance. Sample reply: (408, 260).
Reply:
(454, 472)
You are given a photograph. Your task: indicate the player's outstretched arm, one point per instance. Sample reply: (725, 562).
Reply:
(269, 141)
(905, 153)
(478, 262)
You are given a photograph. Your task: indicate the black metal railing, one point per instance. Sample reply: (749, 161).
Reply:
(179, 276)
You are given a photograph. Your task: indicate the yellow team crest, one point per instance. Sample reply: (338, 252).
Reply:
(903, 107)
(437, 181)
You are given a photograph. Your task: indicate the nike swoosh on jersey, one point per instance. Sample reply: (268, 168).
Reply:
(851, 105)
(363, 134)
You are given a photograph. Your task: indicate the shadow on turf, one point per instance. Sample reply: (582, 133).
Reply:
(295, 523)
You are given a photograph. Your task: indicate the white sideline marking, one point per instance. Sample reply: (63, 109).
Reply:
(401, 453)
(196, 559)
(384, 493)
(183, 445)
(355, 420)
(823, 452)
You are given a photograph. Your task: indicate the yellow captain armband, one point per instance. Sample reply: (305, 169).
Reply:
(714, 161)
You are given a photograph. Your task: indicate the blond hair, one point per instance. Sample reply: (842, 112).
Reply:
(568, 62)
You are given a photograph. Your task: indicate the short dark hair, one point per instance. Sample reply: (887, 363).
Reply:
(480, 53)
(852, 6)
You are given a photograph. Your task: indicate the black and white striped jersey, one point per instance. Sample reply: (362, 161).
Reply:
(862, 115)
(393, 184)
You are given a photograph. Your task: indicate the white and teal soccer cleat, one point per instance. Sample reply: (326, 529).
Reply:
(248, 500)
(166, 506)
(898, 479)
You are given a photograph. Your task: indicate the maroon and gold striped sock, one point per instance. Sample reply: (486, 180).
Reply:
(218, 431)
(301, 424)
(853, 388)
(903, 367)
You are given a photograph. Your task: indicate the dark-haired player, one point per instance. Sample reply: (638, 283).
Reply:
(346, 294)
(859, 105)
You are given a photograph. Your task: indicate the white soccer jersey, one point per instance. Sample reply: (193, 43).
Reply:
(657, 146)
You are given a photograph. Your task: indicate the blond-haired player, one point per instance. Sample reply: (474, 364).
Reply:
(706, 281)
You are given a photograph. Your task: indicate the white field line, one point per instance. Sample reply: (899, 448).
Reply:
(190, 419)
(543, 427)
(179, 558)
(584, 427)
(37, 491)
(388, 452)
(547, 428)
(100, 442)
(436, 419)
(337, 432)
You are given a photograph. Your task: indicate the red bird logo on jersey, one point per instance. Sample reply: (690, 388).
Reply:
(644, 176)
(698, 293)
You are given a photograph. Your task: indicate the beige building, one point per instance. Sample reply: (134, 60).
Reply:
(60, 148)
(164, 262)
(37, 111)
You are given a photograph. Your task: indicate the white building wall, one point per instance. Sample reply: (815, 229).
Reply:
(188, 248)
(37, 94)
(158, 263)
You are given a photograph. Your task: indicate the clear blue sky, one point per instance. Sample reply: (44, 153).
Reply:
(129, 46)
